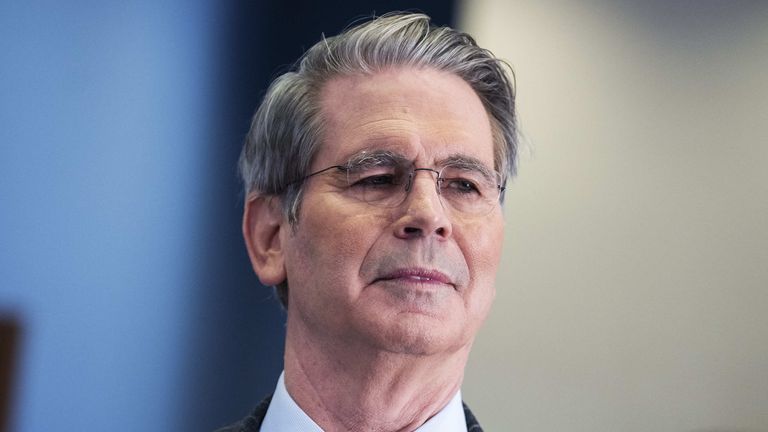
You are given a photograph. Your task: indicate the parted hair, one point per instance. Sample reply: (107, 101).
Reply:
(287, 129)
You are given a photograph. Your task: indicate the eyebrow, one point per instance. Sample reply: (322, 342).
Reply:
(373, 158)
(468, 163)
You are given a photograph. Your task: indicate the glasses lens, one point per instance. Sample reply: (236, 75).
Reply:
(469, 190)
(381, 184)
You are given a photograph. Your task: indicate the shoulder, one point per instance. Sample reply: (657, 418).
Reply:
(252, 423)
(472, 424)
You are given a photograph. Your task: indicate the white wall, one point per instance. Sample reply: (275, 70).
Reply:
(634, 288)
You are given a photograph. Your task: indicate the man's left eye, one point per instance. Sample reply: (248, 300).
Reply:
(380, 180)
(460, 185)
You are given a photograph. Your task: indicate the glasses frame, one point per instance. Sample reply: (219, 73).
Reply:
(409, 183)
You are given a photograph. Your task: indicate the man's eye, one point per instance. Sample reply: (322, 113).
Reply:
(375, 181)
(460, 186)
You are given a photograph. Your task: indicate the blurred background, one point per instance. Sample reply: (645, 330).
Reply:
(634, 289)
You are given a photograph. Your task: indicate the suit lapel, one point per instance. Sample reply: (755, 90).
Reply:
(253, 422)
(472, 424)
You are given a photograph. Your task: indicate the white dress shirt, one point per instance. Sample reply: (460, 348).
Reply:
(284, 415)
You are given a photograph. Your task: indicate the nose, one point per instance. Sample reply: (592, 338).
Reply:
(422, 213)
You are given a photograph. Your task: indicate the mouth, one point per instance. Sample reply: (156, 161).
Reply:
(416, 276)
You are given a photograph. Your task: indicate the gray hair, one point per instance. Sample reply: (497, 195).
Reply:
(288, 125)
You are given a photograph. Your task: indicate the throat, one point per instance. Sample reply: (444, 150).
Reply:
(385, 392)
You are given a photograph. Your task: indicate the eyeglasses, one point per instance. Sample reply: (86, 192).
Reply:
(384, 180)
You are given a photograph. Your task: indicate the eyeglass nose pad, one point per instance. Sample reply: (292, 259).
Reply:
(409, 182)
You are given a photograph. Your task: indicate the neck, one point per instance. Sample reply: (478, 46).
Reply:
(353, 388)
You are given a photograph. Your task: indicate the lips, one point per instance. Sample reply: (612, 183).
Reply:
(416, 275)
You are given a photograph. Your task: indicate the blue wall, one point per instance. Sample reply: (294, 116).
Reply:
(120, 250)
(113, 160)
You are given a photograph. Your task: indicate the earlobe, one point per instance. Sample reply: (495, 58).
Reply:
(262, 222)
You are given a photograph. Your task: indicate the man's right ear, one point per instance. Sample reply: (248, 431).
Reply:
(262, 222)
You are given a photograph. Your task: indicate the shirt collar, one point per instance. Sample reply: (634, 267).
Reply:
(284, 415)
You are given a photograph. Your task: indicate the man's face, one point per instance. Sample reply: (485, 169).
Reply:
(416, 278)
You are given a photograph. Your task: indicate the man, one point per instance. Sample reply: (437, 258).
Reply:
(374, 176)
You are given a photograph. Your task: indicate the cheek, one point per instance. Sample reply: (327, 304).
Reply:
(329, 250)
(483, 244)
(483, 253)
(323, 263)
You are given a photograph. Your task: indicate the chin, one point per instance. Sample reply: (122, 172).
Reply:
(422, 336)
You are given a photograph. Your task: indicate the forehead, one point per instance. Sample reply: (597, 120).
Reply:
(424, 114)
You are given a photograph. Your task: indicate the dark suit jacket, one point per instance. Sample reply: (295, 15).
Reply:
(252, 423)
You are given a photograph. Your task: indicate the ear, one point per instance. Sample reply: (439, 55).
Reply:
(262, 222)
